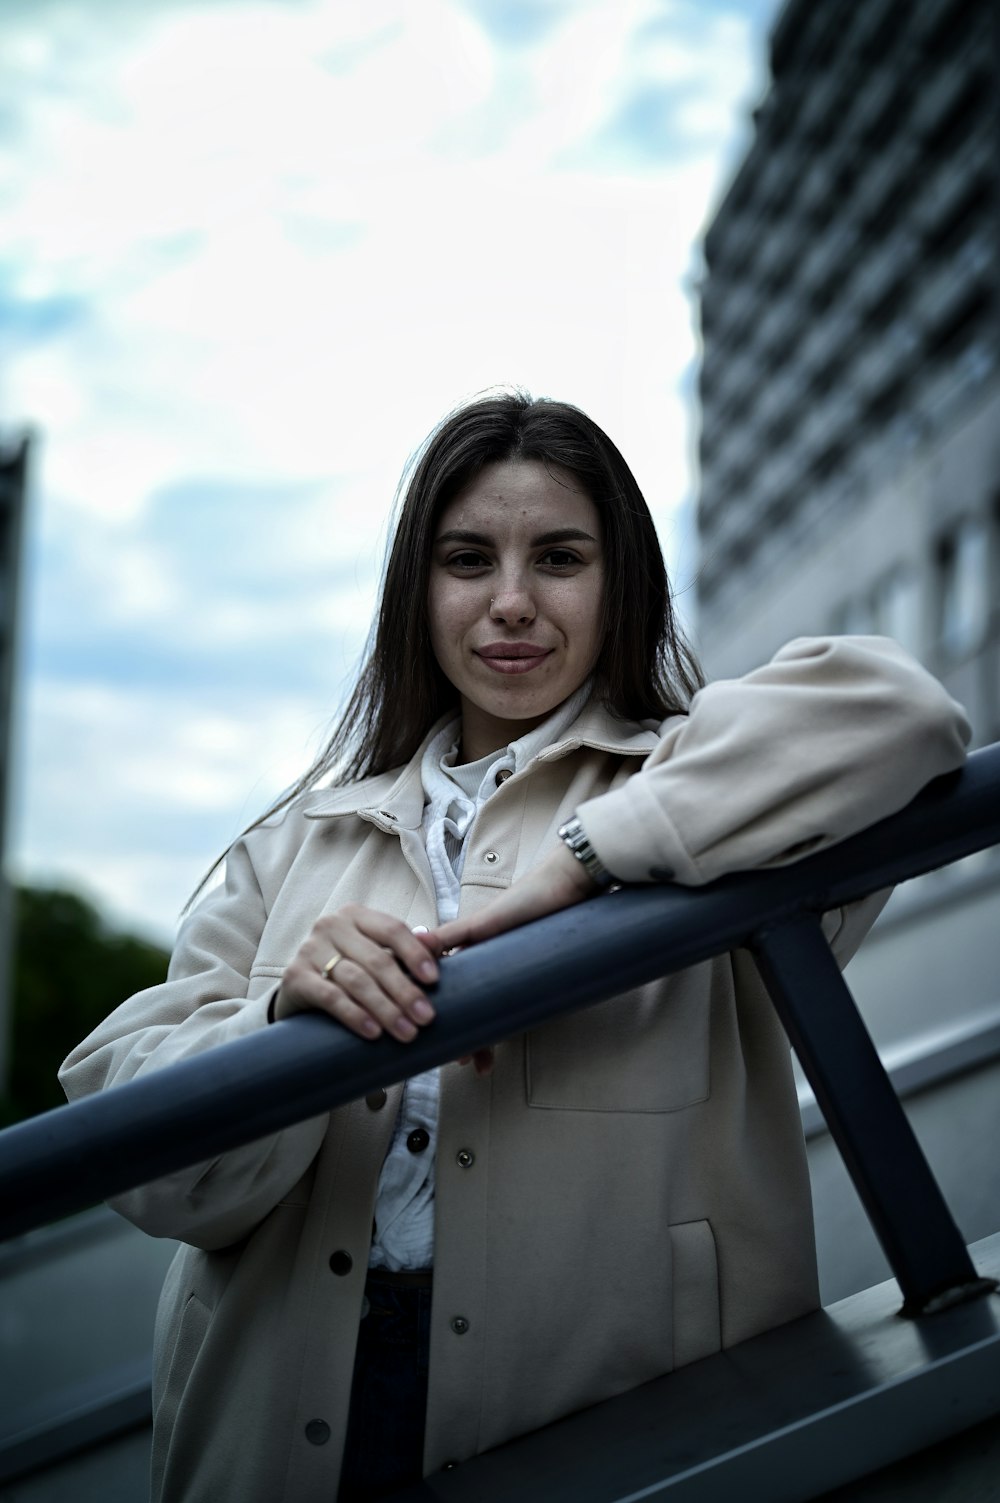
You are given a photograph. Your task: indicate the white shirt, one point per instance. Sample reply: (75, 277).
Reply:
(453, 794)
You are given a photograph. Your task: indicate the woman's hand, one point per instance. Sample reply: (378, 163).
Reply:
(371, 986)
(557, 882)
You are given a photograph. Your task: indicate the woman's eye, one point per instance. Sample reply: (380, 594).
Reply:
(560, 558)
(467, 560)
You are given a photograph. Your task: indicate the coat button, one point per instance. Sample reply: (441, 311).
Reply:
(418, 1140)
(375, 1101)
(503, 775)
(465, 1158)
(341, 1262)
(460, 1325)
(449, 1466)
(491, 858)
(317, 1432)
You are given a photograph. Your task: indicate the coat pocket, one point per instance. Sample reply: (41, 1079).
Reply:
(645, 1051)
(697, 1320)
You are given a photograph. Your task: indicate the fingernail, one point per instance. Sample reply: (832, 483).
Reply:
(422, 1011)
(404, 1029)
(370, 1028)
(427, 970)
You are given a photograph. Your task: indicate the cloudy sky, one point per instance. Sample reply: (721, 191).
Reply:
(250, 254)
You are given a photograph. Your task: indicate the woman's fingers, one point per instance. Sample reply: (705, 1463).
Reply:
(357, 1004)
(559, 882)
(389, 934)
(304, 990)
(364, 967)
(369, 987)
(481, 1061)
(511, 909)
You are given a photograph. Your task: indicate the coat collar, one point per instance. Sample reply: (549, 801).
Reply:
(395, 800)
(598, 730)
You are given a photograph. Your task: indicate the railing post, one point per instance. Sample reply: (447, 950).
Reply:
(864, 1116)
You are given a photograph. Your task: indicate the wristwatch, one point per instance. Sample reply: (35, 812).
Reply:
(575, 836)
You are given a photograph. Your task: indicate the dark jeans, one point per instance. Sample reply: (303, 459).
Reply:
(385, 1431)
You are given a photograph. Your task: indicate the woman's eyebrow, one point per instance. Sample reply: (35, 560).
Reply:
(458, 535)
(564, 535)
(482, 540)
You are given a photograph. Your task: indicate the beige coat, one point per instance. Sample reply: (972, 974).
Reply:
(631, 1192)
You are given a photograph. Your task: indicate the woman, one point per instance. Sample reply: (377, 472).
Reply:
(618, 1192)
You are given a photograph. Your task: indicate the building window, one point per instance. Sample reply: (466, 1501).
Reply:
(896, 609)
(963, 587)
(853, 618)
(975, 363)
(891, 610)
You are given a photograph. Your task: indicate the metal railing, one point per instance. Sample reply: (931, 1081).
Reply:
(77, 1155)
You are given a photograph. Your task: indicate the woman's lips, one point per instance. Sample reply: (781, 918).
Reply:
(512, 657)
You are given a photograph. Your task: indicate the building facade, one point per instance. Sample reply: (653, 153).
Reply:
(850, 379)
(850, 444)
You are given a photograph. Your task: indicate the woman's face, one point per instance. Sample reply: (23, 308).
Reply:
(515, 598)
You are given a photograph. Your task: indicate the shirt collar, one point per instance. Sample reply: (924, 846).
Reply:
(476, 781)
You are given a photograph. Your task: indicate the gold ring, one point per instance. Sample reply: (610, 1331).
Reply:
(331, 965)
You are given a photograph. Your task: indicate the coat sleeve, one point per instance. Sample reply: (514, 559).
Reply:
(203, 1002)
(830, 736)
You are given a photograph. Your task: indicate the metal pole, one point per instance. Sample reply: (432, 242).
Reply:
(864, 1115)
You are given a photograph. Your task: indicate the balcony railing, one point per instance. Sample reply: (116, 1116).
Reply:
(961, 179)
(878, 90)
(885, 267)
(886, 361)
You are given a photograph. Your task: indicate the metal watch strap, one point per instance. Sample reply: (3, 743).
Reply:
(575, 836)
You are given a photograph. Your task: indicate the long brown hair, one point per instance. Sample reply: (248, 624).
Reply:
(645, 669)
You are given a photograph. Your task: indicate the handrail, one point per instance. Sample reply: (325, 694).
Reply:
(192, 1111)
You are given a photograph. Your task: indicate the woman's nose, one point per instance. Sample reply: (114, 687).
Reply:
(512, 604)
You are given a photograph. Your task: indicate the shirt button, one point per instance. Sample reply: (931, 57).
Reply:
(503, 775)
(317, 1432)
(460, 1325)
(465, 1158)
(341, 1263)
(491, 858)
(375, 1101)
(418, 1140)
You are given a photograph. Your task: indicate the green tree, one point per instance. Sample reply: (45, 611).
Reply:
(69, 971)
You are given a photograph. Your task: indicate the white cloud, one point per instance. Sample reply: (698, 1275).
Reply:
(292, 236)
(124, 777)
